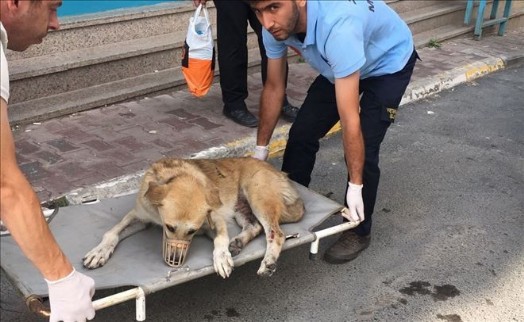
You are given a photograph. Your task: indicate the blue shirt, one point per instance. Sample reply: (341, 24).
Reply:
(346, 36)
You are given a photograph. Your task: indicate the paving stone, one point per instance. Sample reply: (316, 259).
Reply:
(184, 114)
(73, 133)
(131, 143)
(62, 145)
(98, 145)
(73, 170)
(34, 171)
(48, 157)
(109, 169)
(163, 144)
(26, 147)
(176, 123)
(204, 123)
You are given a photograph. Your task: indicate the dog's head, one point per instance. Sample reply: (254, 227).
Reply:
(184, 203)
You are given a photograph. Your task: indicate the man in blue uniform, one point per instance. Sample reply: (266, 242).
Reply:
(365, 56)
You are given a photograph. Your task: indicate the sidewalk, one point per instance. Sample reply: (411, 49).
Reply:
(103, 152)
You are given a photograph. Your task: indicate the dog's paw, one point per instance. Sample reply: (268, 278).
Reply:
(97, 257)
(235, 246)
(223, 262)
(266, 270)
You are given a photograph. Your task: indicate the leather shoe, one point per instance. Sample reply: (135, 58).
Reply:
(346, 248)
(242, 117)
(289, 112)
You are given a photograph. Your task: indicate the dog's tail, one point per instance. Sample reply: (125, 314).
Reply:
(294, 205)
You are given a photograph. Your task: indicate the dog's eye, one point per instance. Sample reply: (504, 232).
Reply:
(171, 228)
(191, 232)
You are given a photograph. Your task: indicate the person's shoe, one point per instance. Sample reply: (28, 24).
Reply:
(346, 248)
(242, 117)
(289, 112)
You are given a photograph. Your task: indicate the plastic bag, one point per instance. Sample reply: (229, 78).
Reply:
(198, 62)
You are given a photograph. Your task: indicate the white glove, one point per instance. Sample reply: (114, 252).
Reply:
(355, 211)
(261, 152)
(70, 298)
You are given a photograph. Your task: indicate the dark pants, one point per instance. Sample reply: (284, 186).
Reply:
(232, 19)
(319, 114)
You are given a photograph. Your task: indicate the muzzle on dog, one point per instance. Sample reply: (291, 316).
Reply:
(175, 251)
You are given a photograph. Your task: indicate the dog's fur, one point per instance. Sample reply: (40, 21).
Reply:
(185, 196)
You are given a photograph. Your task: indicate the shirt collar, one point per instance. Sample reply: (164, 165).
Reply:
(312, 10)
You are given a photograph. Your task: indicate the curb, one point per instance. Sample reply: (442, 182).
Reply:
(417, 90)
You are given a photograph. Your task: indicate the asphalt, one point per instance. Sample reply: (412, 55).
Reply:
(102, 152)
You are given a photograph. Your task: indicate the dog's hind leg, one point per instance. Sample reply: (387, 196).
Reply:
(267, 208)
(99, 255)
(274, 241)
(251, 228)
(264, 192)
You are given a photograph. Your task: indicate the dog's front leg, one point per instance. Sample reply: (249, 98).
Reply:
(222, 260)
(99, 255)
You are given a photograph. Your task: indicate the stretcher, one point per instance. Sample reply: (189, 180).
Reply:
(137, 262)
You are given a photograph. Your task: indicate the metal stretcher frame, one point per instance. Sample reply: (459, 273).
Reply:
(79, 228)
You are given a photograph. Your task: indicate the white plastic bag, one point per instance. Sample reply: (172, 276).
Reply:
(198, 62)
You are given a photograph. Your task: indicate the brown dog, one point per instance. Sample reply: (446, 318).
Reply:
(185, 196)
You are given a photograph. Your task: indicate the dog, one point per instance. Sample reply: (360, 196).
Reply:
(187, 196)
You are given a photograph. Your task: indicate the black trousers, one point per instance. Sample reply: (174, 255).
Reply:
(232, 20)
(380, 98)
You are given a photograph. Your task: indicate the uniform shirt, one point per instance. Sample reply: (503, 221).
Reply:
(346, 36)
(4, 71)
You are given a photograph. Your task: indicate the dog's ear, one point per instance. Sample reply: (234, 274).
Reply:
(156, 193)
(212, 196)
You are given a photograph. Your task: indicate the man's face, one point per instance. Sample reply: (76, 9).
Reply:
(30, 21)
(280, 18)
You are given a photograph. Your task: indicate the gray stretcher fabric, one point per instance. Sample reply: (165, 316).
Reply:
(137, 260)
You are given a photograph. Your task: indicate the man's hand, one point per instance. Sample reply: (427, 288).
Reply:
(70, 298)
(261, 152)
(355, 203)
(198, 2)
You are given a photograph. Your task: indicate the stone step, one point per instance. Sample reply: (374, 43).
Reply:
(401, 6)
(69, 71)
(92, 30)
(433, 16)
(147, 84)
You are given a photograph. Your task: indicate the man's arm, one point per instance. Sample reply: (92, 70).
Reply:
(271, 99)
(347, 93)
(348, 105)
(70, 292)
(21, 213)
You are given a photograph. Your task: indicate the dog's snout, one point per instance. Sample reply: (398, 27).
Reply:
(175, 250)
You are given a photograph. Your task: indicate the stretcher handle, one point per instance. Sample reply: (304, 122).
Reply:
(313, 250)
(36, 305)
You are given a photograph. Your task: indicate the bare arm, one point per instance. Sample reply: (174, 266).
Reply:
(271, 99)
(21, 213)
(347, 93)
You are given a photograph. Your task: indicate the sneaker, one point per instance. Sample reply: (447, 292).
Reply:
(289, 112)
(346, 248)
